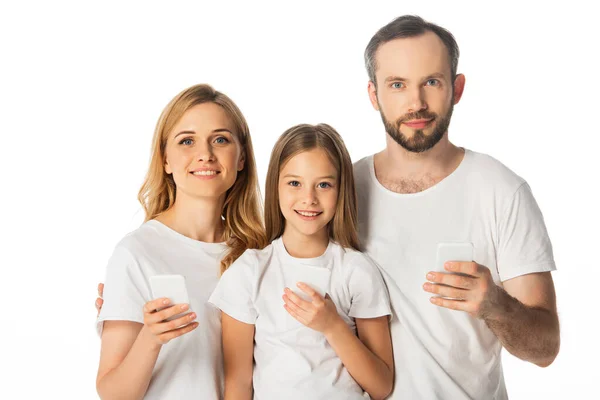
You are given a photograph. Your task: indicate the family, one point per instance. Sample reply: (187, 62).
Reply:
(389, 324)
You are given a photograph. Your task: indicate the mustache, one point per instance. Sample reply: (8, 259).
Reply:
(416, 115)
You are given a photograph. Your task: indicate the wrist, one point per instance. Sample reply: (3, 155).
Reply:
(337, 326)
(148, 340)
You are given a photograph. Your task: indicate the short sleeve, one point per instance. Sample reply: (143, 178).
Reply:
(523, 243)
(234, 294)
(369, 295)
(126, 290)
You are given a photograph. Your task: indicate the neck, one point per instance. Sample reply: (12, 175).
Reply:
(196, 218)
(305, 246)
(404, 171)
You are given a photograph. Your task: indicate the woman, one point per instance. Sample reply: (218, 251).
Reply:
(201, 201)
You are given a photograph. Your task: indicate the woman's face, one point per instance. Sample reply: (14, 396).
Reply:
(202, 153)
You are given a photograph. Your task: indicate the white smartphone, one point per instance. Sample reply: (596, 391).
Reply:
(172, 287)
(316, 277)
(453, 251)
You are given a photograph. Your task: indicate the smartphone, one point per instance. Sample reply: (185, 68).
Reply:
(172, 287)
(316, 277)
(453, 251)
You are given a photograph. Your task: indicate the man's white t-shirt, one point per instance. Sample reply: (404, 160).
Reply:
(293, 361)
(188, 367)
(441, 353)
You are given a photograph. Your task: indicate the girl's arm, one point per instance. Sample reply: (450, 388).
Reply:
(130, 350)
(368, 357)
(238, 353)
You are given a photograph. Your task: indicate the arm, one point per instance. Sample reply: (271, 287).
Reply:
(368, 357)
(523, 315)
(129, 350)
(238, 352)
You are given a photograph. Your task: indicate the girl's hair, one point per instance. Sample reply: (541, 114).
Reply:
(241, 209)
(300, 138)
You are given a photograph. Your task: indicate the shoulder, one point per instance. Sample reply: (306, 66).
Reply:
(362, 167)
(491, 172)
(353, 260)
(252, 261)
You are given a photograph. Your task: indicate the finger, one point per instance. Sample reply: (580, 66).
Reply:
(316, 297)
(99, 303)
(457, 281)
(155, 304)
(176, 323)
(459, 305)
(463, 267)
(170, 335)
(294, 307)
(100, 289)
(298, 301)
(294, 314)
(159, 316)
(446, 291)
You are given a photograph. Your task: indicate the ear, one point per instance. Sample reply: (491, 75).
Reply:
(373, 95)
(459, 87)
(241, 162)
(167, 167)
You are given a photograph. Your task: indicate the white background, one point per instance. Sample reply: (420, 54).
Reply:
(81, 87)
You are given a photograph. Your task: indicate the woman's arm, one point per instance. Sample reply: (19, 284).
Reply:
(238, 353)
(130, 350)
(368, 357)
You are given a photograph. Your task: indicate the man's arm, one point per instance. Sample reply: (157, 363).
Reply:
(522, 315)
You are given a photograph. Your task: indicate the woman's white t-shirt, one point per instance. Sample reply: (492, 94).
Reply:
(293, 361)
(188, 367)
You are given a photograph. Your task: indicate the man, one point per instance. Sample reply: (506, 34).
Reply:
(422, 190)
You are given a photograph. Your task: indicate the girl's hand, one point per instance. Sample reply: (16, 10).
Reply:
(162, 331)
(99, 300)
(319, 314)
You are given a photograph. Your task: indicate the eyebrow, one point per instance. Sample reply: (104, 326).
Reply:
(399, 78)
(214, 131)
(321, 177)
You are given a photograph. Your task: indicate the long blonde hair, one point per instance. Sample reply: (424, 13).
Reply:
(241, 209)
(300, 138)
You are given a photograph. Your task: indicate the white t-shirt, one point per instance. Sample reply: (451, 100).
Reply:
(293, 361)
(188, 367)
(441, 353)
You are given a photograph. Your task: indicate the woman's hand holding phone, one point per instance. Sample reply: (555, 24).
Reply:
(162, 331)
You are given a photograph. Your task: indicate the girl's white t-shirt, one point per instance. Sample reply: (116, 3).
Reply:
(188, 367)
(293, 361)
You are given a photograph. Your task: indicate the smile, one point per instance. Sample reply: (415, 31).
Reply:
(205, 173)
(309, 214)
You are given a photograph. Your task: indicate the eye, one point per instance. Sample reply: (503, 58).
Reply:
(187, 141)
(432, 82)
(324, 185)
(221, 140)
(397, 85)
(294, 183)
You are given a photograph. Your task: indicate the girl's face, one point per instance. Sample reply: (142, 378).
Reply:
(202, 152)
(308, 193)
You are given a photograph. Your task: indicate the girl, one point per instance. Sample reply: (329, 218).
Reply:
(202, 211)
(306, 346)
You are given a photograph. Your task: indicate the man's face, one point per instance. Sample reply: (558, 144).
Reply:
(414, 92)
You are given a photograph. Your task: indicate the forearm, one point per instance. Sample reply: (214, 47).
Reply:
(368, 370)
(529, 333)
(131, 378)
(238, 390)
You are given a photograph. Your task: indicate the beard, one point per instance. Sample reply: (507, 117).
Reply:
(419, 142)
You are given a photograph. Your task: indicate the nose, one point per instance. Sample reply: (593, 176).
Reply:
(417, 100)
(310, 196)
(205, 152)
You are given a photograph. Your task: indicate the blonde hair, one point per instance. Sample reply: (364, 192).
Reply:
(343, 227)
(241, 209)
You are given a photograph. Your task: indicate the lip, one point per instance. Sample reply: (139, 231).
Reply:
(418, 123)
(205, 177)
(305, 218)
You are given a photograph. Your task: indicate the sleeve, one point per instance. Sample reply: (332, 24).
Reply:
(126, 290)
(523, 243)
(368, 293)
(234, 294)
